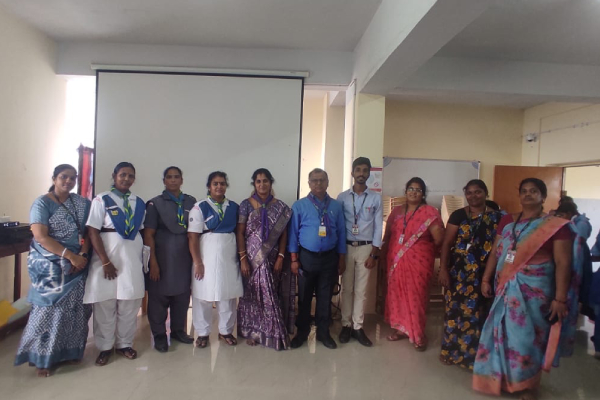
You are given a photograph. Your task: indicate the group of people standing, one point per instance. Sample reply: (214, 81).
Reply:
(507, 278)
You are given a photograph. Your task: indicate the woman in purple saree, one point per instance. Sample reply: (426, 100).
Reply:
(266, 310)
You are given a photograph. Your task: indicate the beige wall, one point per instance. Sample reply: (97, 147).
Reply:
(369, 128)
(32, 109)
(313, 130)
(454, 132)
(567, 133)
(583, 182)
(334, 148)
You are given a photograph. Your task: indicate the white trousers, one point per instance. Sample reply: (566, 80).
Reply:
(115, 323)
(354, 286)
(202, 315)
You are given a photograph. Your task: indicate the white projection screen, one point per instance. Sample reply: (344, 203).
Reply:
(200, 123)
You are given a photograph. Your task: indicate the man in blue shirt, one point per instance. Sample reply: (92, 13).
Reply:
(363, 212)
(317, 243)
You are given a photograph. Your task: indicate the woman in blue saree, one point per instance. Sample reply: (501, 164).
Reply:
(57, 329)
(531, 259)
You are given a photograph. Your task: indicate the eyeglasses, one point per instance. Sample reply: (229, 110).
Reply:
(414, 189)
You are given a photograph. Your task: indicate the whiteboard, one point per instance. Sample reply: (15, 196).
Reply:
(442, 177)
(200, 123)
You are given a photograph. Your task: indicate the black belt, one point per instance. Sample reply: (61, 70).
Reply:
(318, 253)
(107, 230)
(357, 243)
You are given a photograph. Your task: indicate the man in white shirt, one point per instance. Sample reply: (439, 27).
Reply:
(363, 213)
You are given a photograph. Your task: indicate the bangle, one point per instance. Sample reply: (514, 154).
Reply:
(560, 301)
(104, 265)
(242, 252)
(244, 256)
(281, 255)
(63, 253)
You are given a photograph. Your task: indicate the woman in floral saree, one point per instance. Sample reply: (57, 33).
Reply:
(531, 259)
(470, 234)
(413, 233)
(261, 238)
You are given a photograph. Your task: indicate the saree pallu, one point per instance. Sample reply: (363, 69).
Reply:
(410, 267)
(466, 308)
(516, 342)
(264, 313)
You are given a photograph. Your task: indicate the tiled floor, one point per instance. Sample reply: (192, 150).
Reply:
(385, 371)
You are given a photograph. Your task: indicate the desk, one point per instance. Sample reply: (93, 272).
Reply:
(15, 249)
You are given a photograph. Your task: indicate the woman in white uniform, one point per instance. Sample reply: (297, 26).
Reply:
(216, 272)
(115, 284)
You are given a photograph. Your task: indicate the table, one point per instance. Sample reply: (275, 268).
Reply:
(16, 249)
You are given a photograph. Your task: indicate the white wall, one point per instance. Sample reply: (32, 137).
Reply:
(568, 133)
(324, 67)
(32, 109)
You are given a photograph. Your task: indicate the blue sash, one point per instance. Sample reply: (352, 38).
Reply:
(118, 216)
(211, 217)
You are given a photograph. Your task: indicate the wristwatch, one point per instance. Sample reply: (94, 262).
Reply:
(84, 255)
(374, 257)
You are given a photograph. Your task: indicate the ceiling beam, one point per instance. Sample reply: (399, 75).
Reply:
(403, 35)
(562, 81)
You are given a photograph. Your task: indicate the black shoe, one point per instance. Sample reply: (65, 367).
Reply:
(182, 337)
(160, 343)
(328, 342)
(359, 334)
(297, 341)
(345, 334)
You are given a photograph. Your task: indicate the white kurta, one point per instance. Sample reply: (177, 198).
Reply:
(222, 278)
(126, 256)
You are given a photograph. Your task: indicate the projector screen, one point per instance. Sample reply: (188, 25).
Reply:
(199, 123)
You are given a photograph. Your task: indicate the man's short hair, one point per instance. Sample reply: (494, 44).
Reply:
(317, 171)
(361, 161)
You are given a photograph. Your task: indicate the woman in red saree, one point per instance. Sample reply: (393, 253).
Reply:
(414, 232)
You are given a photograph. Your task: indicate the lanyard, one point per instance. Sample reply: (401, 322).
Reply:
(321, 210)
(412, 215)
(475, 229)
(75, 217)
(514, 234)
(361, 207)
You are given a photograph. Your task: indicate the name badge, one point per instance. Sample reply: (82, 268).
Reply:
(510, 256)
(115, 212)
(401, 239)
(355, 229)
(468, 246)
(322, 231)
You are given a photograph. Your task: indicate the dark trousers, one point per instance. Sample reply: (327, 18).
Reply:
(158, 305)
(318, 275)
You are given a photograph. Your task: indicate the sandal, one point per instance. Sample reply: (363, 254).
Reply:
(103, 357)
(127, 352)
(422, 346)
(229, 339)
(394, 337)
(43, 372)
(202, 341)
(444, 360)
